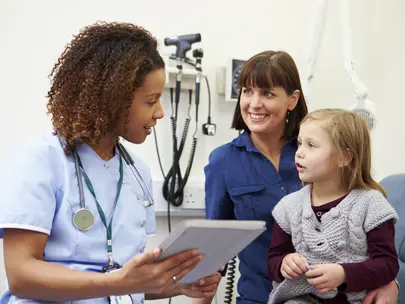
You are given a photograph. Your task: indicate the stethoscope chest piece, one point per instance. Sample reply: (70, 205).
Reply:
(147, 204)
(83, 219)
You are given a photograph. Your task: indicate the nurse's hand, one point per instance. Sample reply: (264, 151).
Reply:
(143, 275)
(205, 288)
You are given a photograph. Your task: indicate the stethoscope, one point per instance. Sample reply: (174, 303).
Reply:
(84, 218)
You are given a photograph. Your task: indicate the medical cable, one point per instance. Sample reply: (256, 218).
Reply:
(131, 164)
(80, 182)
(209, 122)
(174, 177)
(230, 281)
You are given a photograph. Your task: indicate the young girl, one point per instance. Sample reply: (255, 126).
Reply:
(333, 240)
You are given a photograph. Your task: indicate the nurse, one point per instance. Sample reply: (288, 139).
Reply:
(75, 214)
(246, 177)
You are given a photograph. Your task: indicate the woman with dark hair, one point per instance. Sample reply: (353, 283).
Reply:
(75, 214)
(247, 177)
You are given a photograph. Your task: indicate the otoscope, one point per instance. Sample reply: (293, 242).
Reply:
(183, 45)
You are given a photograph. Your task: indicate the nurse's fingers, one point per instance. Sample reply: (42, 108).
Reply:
(164, 280)
(178, 259)
(208, 288)
(180, 271)
(213, 279)
(146, 258)
(151, 256)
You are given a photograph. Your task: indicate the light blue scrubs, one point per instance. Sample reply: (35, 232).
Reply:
(40, 193)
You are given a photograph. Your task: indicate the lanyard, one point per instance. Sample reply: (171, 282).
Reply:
(100, 210)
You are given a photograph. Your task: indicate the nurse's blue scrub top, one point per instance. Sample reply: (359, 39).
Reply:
(39, 192)
(241, 183)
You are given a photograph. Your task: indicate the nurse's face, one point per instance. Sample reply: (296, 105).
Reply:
(264, 111)
(145, 109)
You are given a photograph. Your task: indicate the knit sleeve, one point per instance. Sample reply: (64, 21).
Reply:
(377, 211)
(382, 266)
(281, 214)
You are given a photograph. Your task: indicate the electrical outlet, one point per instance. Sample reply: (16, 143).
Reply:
(194, 196)
(193, 203)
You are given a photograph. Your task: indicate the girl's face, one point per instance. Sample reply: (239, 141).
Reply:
(145, 109)
(316, 155)
(264, 111)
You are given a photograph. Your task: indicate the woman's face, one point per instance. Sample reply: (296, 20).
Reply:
(145, 109)
(264, 111)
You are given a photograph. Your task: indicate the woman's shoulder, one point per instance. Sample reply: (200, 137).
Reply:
(221, 152)
(229, 149)
(44, 149)
(33, 169)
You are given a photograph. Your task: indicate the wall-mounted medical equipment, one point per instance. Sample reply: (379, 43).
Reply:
(227, 79)
(175, 182)
(183, 75)
(363, 107)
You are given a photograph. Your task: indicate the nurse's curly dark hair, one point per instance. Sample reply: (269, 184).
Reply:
(93, 81)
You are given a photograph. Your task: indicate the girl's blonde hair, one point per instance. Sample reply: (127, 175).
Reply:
(350, 135)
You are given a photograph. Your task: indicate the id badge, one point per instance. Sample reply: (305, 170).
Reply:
(125, 299)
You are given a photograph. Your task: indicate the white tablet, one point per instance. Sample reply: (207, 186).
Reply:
(218, 240)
